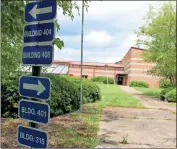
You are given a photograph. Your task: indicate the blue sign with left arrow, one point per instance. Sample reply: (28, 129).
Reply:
(37, 55)
(35, 87)
(40, 11)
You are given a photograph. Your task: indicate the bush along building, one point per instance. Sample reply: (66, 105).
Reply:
(130, 68)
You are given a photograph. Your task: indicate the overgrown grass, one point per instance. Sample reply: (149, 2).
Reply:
(113, 96)
(76, 130)
(153, 92)
(80, 130)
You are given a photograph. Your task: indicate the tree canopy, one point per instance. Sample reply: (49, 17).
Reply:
(12, 18)
(158, 35)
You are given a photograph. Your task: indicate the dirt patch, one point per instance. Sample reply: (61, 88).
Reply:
(57, 127)
(74, 130)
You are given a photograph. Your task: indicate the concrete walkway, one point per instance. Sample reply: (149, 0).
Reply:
(138, 128)
(149, 102)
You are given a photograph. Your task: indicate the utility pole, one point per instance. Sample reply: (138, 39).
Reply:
(107, 74)
(81, 87)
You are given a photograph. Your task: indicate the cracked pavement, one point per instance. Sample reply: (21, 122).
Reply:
(142, 128)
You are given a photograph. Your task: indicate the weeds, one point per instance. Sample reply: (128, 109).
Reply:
(124, 140)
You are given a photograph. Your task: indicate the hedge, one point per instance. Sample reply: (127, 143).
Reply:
(139, 84)
(103, 79)
(98, 79)
(64, 96)
(91, 91)
(171, 96)
(109, 81)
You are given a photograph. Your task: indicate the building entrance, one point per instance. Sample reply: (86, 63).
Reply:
(120, 79)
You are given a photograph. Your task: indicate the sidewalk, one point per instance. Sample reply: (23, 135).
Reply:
(139, 128)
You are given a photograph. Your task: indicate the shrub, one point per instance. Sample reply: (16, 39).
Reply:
(109, 81)
(9, 96)
(165, 90)
(164, 83)
(138, 84)
(64, 95)
(103, 79)
(98, 79)
(91, 91)
(171, 96)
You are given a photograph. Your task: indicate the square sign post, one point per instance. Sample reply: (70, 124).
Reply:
(38, 35)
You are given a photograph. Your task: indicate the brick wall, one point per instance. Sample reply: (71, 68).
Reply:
(92, 71)
(137, 69)
(134, 68)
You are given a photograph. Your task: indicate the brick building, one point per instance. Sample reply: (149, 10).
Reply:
(130, 68)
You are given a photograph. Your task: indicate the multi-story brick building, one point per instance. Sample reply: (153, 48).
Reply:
(130, 68)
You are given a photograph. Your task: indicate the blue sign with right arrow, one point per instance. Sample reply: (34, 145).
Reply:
(35, 87)
(40, 11)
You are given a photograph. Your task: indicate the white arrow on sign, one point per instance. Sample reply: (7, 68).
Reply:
(34, 11)
(39, 87)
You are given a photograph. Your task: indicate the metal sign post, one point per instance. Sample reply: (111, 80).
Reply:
(36, 71)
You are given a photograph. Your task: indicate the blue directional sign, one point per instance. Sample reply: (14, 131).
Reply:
(33, 111)
(35, 87)
(40, 11)
(37, 55)
(32, 137)
(36, 33)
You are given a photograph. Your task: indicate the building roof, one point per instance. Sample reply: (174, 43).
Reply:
(136, 48)
(61, 62)
(117, 64)
(88, 63)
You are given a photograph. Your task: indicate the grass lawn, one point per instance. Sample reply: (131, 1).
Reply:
(113, 96)
(76, 130)
(153, 92)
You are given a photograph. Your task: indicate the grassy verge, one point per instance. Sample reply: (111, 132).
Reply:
(153, 92)
(77, 130)
(113, 96)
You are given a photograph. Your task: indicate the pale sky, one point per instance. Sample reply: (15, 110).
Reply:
(108, 31)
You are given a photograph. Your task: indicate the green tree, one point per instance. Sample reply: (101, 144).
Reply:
(12, 17)
(158, 35)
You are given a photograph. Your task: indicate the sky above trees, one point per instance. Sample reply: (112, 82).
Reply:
(108, 30)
